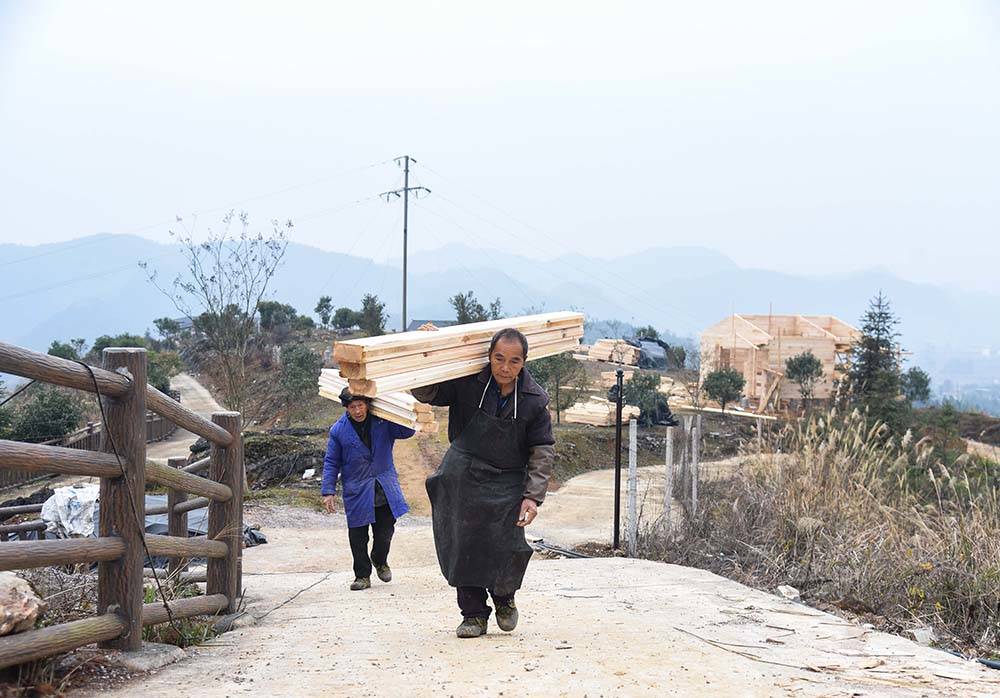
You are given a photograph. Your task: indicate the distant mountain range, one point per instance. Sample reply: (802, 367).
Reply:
(92, 286)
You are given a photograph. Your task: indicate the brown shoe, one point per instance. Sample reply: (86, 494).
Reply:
(472, 627)
(361, 583)
(384, 573)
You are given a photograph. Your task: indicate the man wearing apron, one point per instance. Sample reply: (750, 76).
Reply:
(491, 481)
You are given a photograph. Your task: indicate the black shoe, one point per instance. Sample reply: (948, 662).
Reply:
(472, 627)
(506, 615)
(383, 572)
(361, 583)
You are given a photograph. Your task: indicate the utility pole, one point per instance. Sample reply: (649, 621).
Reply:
(405, 193)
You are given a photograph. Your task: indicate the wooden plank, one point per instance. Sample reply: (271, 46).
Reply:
(393, 364)
(364, 350)
(7, 512)
(51, 369)
(123, 500)
(54, 459)
(196, 546)
(23, 527)
(210, 605)
(186, 419)
(198, 466)
(45, 553)
(225, 519)
(438, 374)
(56, 639)
(184, 506)
(188, 482)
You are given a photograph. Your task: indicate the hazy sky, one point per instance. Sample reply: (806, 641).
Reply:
(797, 136)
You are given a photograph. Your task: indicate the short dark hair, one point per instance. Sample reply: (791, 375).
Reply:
(509, 333)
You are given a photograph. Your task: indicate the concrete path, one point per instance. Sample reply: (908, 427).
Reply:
(582, 510)
(195, 397)
(597, 627)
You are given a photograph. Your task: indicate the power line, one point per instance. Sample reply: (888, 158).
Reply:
(677, 312)
(257, 197)
(68, 282)
(528, 296)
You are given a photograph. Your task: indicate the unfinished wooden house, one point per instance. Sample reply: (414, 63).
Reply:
(758, 346)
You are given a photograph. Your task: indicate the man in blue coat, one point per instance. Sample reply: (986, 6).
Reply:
(360, 453)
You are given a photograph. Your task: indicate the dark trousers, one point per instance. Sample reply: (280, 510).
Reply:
(382, 530)
(472, 601)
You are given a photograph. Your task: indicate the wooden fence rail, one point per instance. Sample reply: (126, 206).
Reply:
(121, 545)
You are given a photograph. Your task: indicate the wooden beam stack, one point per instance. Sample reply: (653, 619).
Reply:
(615, 351)
(598, 412)
(400, 408)
(609, 379)
(398, 362)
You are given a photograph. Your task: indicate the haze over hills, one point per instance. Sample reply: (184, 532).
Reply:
(92, 286)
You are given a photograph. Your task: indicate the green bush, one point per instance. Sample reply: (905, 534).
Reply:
(724, 385)
(48, 413)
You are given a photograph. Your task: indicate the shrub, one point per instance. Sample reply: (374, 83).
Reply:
(851, 515)
(49, 413)
(724, 385)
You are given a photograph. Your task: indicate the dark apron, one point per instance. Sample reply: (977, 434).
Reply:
(476, 497)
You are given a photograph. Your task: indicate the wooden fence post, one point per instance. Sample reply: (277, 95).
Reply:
(632, 531)
(123, 499)
(225, 519)
(668, 491)
(695, 452)
(177, 524)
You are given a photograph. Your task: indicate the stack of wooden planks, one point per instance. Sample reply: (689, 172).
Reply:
(401, 408)
(609, 379)
(598, 412)
(397, 362)
(614, 350)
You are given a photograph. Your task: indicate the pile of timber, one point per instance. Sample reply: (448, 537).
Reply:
(610, 380)
(394, 363)
(676, 389)
(614, 350)
(400, 408)
(598, 412)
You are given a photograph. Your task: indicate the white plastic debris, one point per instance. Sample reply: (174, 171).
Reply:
(71, 512)
(309, 473)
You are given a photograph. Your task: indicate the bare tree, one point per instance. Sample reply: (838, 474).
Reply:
(226, 277)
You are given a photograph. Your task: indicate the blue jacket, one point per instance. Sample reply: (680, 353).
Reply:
(358, 468)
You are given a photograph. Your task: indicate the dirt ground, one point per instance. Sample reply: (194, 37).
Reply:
(594, 627)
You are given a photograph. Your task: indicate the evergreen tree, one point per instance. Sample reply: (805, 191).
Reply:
(372, 318)
(874, 380)
(724, 385)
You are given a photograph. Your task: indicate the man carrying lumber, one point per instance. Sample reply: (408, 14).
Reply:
(491, 481)
(360, 453)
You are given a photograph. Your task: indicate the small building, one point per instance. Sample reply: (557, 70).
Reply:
(758, 345)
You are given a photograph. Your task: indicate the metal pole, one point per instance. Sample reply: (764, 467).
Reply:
(616, 543)
(406, 209)
(633, 476)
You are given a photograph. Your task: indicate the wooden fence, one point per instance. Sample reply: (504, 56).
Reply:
(89, 438)
(122, 543)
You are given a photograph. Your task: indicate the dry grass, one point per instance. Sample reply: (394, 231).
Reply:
(857, 519)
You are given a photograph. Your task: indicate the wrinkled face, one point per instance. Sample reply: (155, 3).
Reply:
(358, 409)
(506, 361)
